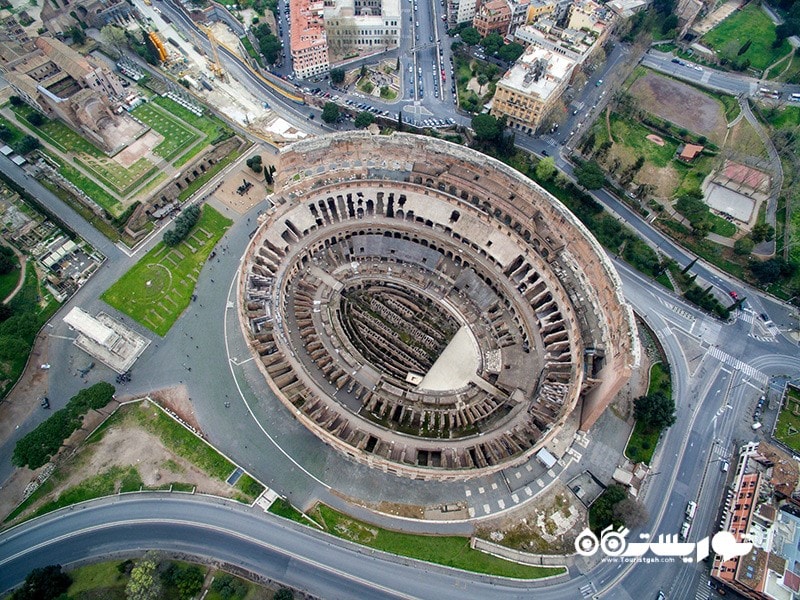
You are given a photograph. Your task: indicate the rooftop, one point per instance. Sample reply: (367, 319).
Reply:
(538, 72)
(307, 25)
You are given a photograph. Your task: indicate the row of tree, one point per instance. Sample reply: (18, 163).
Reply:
(269, 44)
(36, 448)
(183, 226)
(493, 44)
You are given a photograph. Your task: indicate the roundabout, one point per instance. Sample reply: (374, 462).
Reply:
(427, 310)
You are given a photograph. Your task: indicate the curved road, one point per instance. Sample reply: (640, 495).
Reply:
(224, 531)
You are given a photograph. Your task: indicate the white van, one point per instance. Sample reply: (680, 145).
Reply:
(691, 508)
(756, 426)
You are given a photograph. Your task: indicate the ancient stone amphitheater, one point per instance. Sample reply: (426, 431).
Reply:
(428, 310)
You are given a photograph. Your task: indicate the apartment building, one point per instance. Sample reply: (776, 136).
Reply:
(531, 88)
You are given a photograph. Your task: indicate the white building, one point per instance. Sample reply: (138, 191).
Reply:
(362, 25)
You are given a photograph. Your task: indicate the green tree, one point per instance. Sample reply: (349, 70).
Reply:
(364, 119)
(229, 587)
(330, 112)
(36, 118)
(511, 52)
(470, 36)
(743, 246)
(762, 232)
(590, 175)
(670, 23)
(545, 169)
(144, 583)
(77, 34)
(27, 144)
(45, 583)
(283, 594)
(655, 411)
(255, 164)
(337, 76)
(772, 270)
(8, 262)
(601, 513)
(487, 128)
(114, 36)
(492, 43)
(187, 579)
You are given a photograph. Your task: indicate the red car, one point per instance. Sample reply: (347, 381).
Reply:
(733, 295)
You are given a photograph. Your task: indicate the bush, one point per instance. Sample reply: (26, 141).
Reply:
(229, 587)
(45, 583)
(183, 226)
(36, 119)
(36, 448)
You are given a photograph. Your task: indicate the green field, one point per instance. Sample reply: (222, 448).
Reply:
(159, 287)
(788, 428)
(634, 135)
(214, 129)
(177, 136)
(451, 551)
(643, 441)
(9, 281)
(750, 23)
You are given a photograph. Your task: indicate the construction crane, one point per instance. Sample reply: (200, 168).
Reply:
(215, 65)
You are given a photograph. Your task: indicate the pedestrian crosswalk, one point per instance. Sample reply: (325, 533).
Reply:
(587, 591)
(704, 589)
(738, 365)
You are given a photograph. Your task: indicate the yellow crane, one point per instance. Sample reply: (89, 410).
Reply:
(215, 65)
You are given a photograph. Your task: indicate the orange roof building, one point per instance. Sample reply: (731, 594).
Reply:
(308, 42)
(690, 152)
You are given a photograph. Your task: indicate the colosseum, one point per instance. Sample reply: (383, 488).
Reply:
(428, 310)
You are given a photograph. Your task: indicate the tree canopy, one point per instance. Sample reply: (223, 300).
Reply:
(269, 44)
(330, 112)
(487, 128)
(45, 583)
(656, 411)
(337, 76)
(183, 224)
(590, 175)
(364, 119)
(470, 36)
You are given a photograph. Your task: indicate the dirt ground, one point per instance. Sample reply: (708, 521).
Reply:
(671, 100)
(226, 193)
(123, 445)
(547, 517)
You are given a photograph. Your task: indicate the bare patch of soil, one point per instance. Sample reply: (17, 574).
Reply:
(547, 525)
(682, 105)
(241, 203)
(177, 400)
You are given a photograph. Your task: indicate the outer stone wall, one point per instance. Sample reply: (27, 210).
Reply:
(403, 221)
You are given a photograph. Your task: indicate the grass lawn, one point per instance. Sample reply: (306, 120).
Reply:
(214, 129)
(9, 281)
(182, 441)
(786, 118)
(750, 23)
(283, 509)
(177, 136)
(634, 136)
(788, 427)
(643, 440)
(158, 288)
(92, 189)
(116, 479)
(93, 578)
(12, 133)
(451, 551)
(722, 226)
